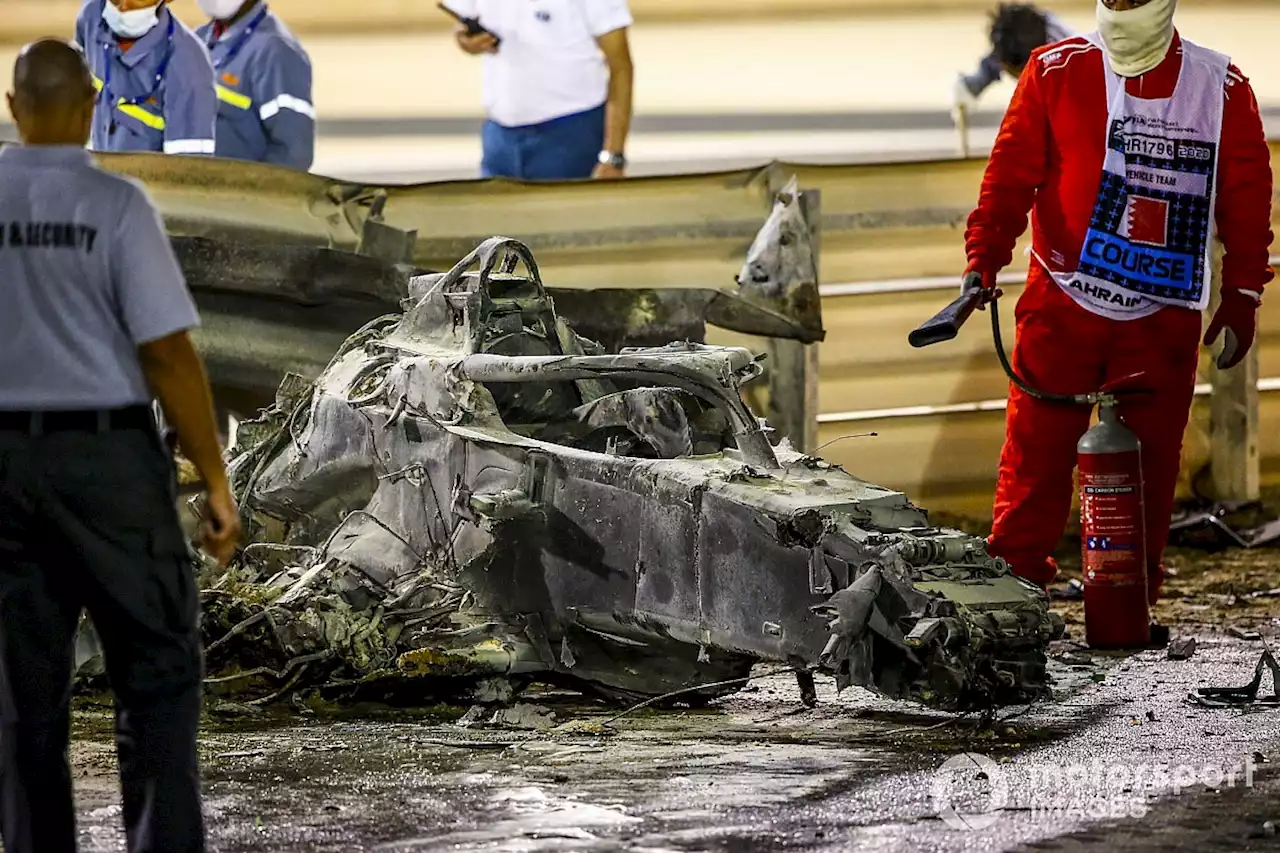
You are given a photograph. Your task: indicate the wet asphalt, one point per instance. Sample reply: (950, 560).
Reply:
(1119, 760)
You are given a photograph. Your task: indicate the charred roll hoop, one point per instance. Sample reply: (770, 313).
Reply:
(472, 496)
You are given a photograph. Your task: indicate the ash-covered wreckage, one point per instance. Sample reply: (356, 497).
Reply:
(471, 497)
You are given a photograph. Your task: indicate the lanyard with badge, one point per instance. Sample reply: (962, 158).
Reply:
(112, 101)
(240, 43)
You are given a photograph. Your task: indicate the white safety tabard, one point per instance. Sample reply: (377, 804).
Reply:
(1151, 237)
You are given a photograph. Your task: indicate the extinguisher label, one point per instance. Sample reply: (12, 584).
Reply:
(1111, 512)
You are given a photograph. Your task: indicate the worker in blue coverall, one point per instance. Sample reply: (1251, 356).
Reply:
(153, 76)
(265, 110)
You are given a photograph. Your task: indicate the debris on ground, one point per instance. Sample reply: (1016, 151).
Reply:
(595, 728)
(475, 715)
(1226, 697)
(519, 716)
(1182, 649)
(1225, 524)
(1243, 633)
(524, 717)
(1072, 590)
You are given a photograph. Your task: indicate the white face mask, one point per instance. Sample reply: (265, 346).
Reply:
(1138, 39)
(130, 25)
(220, 10)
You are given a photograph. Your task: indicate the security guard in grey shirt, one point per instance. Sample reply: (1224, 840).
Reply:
(94, 316)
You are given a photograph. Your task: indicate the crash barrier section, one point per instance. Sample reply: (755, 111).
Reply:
(891, 252)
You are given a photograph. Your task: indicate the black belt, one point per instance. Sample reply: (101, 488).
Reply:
(79, 420)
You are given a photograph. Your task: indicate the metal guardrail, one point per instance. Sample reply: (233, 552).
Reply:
(891, 237)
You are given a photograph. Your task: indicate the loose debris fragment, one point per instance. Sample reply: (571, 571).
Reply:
(521, 716)
(1244, 633)
(1182, 649)
(525, 717)
(1227, 524)
(1075, 660)
(1072, 590)
(471, 496)
(1226, 697)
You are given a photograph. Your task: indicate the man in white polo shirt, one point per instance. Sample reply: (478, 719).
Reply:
(557, 85)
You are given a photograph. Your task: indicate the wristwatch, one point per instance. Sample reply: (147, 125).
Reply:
(617, 160)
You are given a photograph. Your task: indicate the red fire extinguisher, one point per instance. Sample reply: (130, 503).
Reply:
(1113, 533)
(1109, 460)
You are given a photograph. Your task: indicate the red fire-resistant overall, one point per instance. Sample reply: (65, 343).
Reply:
(1048, 159)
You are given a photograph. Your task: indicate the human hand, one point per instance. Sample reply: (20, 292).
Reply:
(220, 525)
(984, 280)
(1237, 315)
(475, 44)
(607, 171)
(962, 97)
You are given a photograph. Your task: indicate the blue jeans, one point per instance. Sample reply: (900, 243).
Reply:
(558, 150)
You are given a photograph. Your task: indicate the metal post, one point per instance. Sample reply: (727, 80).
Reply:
(793, 366)
(1233, 422)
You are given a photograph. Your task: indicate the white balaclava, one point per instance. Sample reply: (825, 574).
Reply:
(1138, 39)
(220, 10)
(134, 24)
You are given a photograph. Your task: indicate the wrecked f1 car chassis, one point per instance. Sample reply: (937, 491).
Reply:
(470, 491)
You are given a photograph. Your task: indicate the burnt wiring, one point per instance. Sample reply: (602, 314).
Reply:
(371, 517)
(786, 470)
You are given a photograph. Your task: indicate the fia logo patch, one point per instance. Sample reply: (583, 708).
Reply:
(1147, 221)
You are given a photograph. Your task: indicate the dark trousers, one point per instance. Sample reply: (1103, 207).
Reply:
(88, 522)
(558, 150)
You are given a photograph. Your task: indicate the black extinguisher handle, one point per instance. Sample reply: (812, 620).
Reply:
(945, 325)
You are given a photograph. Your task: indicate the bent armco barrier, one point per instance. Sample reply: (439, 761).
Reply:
(892, 248)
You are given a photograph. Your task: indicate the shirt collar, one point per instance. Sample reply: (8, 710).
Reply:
(233, 32)
(143, 47)
(44, 155)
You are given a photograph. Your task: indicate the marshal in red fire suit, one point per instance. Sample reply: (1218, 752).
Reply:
(1048, 158)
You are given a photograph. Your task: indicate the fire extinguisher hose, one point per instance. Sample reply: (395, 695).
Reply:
(1023, 385)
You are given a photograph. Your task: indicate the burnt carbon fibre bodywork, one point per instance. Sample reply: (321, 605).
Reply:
(471, 495)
